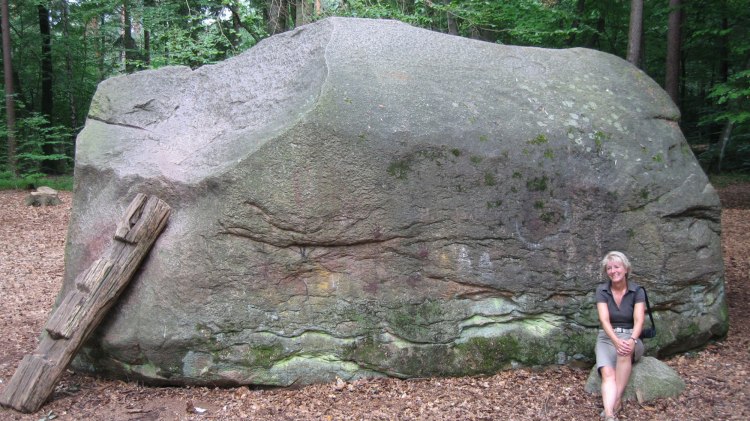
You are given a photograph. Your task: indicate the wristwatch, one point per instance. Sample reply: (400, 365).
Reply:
(634, 339)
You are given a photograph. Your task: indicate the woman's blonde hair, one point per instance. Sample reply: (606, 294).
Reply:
(615, 255)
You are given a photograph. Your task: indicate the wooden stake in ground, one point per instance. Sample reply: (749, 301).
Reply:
(84, 307)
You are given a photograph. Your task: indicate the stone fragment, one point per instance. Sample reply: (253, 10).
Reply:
(43, 196)
(650, 379)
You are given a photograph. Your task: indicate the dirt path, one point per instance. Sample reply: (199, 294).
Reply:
(31, 266)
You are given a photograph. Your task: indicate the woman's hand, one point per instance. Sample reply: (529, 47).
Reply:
(625, 346)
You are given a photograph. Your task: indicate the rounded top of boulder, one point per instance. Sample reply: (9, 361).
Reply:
(377, 79)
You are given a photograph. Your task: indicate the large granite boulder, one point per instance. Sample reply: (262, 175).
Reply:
(364, 198)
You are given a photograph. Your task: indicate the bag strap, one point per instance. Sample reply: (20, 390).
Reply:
(648, 306)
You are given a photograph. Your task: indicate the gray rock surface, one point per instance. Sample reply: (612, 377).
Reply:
(43, 196)
(650, 379)
(364, 198)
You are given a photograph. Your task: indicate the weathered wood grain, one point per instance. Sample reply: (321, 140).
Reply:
(84, 307)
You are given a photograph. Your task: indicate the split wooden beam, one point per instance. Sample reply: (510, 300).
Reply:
(84, 306)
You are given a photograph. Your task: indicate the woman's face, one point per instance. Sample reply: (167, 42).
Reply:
(616, 271)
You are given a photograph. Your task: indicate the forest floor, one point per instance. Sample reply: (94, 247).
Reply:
(31, 268)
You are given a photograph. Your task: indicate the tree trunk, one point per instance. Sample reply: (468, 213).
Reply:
(635, 33)
(277, 16)
(47, 166)
(724, 49)
(304, 12)
(580, 10)
(452, 24)
(72, 109)
(674, 44)
(10, 106)
(128, 43)
(69, 71)
(147, 38)
(238, 23)
(726, 135)
(46, 62)
(147, 47)
(94, 26)
(451, 18)
(595, 40)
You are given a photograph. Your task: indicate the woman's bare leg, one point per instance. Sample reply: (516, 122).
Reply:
(609, 390)
(622, 375)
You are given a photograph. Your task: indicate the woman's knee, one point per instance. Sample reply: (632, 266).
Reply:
(626, 357)
(607, 372)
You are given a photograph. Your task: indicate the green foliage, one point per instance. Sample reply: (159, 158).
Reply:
(399, 169)
(418, 13)
(537, 183)
(519, 22)
(736, 89)
(729, 178)
(33, 135)
(736, 155)
(31, 181)
(717, 81)
(539, 140)
(182, 47)
(489, 179)
(200, 32)
(731, 111)
(88, 46)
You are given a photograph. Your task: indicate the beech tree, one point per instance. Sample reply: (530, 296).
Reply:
(49, 149)
(10, 107)
(635, 33)
(674, 44)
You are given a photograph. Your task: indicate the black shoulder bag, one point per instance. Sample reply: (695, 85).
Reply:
(651, 332)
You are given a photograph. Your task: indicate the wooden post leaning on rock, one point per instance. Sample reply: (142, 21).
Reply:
(84, 307)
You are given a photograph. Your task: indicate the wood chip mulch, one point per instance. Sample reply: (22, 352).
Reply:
(32, 244)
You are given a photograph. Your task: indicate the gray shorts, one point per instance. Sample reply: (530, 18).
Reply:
(606, 353)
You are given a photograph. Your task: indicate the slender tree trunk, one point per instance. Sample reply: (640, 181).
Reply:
(46, 62)
(580, 10)
(674, 44)
(147, 47)
(10, 106)
(93, 26)
(304, 12)
(726, 136)
(635, 33)
(237, 22)
(48, 166)
(131, 55)
(601, 26)
(452, 24)
(147, 38)
(724, 50)
(451, 18)
(69, 75)
(277, 16)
